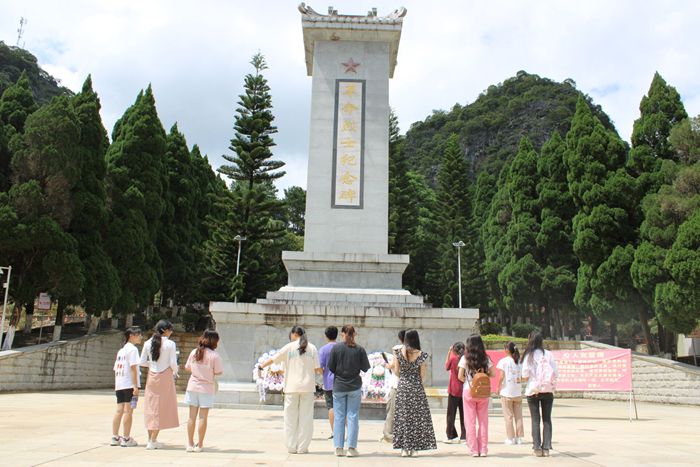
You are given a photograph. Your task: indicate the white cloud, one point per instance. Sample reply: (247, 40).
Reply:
(195, 54)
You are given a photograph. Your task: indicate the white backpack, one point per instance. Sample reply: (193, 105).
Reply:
(545, 381)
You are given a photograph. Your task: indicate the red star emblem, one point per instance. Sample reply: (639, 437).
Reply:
(350, 65)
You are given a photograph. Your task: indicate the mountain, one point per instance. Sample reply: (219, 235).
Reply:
(489, 129)
(13, 61)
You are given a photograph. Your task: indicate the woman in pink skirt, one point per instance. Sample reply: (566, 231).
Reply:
(160, 408)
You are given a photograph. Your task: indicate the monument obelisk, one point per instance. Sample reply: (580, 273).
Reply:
(345, 274)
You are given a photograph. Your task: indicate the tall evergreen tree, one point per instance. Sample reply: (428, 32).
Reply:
(295, 203)
(601, 189)
(89, 196)
(252, 208)
(135, 172)
(555, 237)
(660, 110)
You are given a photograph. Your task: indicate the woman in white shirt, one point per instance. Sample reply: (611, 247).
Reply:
(511, 394)
(301, 363)
(160, 408)
(540, 372)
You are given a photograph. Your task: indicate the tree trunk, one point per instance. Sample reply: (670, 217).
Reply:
(648, 340)
(613, 332)
(93, 324)
(129, 321)
(28, 317)
(58, 326)
(546, 322)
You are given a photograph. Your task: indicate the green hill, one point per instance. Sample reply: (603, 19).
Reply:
(490, 128)
(13, 61)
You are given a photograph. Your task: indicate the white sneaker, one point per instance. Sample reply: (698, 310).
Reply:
(340, 452)
(519, 440)
(198, 448)
(154, 445)
(404, 453)
(509, 441)
(189, 448)
(115, 441)
(352, 452)
(451, 441)
(129, 442)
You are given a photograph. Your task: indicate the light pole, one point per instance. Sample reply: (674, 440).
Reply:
(239, 239)
(6, 284)
(459, 244)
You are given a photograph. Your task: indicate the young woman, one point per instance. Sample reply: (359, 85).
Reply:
(476, 410)
(160, 408)
(126, 384)
(205, 364)
(346, 362)
(540, 372)
(511, 394)
(454, 395)
(300, 359)
(413, 425)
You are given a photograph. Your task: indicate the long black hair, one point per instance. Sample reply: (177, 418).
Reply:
(411, 340)
(458, 348)
(161, 326)
(349, 331)
(131, 331)
(209, 340)
(513, 351)
(534, 342)
(303, 342)
(475, 355)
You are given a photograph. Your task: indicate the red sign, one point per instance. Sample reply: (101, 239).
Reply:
(585, 370)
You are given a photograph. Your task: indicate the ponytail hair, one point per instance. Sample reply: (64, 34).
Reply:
(513, 351)
(303, 341)
(132, 331)
(161, 326)
(349, 332)
(209, 340)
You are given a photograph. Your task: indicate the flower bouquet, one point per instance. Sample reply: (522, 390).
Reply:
(269, 379)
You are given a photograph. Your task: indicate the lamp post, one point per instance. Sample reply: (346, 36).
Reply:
(239, 239)
(459, 244)
(5, 284)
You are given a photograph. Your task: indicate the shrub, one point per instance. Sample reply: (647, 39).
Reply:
(524, 329)
(489, 328)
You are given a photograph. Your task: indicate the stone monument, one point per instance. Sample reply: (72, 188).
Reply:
(345, 274)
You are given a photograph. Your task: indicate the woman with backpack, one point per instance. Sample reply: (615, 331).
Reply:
(540, 372)
(475, 371)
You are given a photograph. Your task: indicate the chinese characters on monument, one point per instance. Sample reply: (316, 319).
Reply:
(349, 139)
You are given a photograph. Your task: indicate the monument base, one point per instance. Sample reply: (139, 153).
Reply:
(248, 330)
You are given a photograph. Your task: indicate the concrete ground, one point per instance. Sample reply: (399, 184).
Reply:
(73, 428)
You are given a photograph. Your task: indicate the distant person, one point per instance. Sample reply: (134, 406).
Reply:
(160, 405)
(454, 395)
(413, 425)
(540, 372)
(388, 434)
(300, 360)
(346, 361)
(205, 364)
(324, 354)
(127, 382)
(511, 394)
(475, 369)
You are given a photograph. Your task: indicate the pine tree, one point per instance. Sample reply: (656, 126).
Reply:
(601, 191)
(520, 279)
(252, 208)
(555, 237)
(135, 172)
(295, 203)
(90, 215)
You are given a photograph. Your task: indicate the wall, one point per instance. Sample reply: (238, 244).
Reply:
(76, 364)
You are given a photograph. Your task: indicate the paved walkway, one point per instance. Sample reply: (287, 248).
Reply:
(73, 428)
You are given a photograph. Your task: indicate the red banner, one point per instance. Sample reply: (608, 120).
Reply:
(585, 370)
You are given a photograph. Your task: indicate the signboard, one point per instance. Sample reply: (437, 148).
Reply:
(586, 370)
(348, 144)
(44, 302)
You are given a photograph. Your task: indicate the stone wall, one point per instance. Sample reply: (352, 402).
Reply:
(76, 364)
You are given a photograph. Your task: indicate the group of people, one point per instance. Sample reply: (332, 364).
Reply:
(159, 355)
(338, 367)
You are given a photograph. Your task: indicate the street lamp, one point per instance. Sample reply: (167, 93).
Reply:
(459, 244)
(6, 284)
(239, 239)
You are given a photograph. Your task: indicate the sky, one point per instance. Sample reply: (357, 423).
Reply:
(195, 54)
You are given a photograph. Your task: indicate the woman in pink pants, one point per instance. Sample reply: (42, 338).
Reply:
(476, 409)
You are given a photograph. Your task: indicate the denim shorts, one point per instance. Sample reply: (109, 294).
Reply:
(199, 399)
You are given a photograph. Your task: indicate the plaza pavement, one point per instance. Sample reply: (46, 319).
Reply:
(72, 428)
